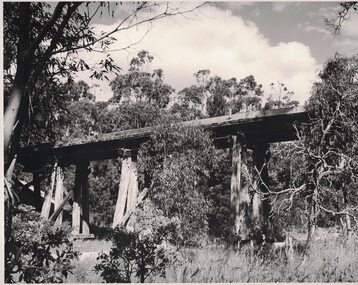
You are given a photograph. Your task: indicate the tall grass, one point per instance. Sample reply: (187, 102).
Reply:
(84, 271)
(84, 266)
(326, 261)
(92, 245)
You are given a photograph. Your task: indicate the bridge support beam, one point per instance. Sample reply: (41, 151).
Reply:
(85, 201)
(46, 206)
(76, 206)
(59, 193)
(128, 188)
(250, 209)
(240, 198)
(37, 190)
(80, 223)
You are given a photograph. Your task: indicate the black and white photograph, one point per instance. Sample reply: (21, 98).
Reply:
(180, 142)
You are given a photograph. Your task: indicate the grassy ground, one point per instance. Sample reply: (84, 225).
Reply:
(84, 271)
(327, 261)
(91, 245)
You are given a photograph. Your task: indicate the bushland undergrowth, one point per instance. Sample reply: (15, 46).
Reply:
(333, 260)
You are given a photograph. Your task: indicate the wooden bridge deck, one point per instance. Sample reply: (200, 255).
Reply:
(259, 126)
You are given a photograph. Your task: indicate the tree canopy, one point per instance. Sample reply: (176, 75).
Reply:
(42, 43)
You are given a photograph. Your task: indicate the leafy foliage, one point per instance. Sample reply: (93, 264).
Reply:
(139, 85)
(134, 253)
(247, 94)
(280, 97)
(219, 96)
(185, 111)
(104, 181)
(127, 115)
(39, 251)
(218, 196)
(288, 197)
(177, 160)
(320, 179)
(331, 138)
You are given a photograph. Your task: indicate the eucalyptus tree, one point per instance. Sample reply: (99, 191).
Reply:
(192, 100)
(218, 89)
(45, 39)
(323, 162)
(280, 97)
(232, 96)
(175, 164)
(331, 141)
(139, 85)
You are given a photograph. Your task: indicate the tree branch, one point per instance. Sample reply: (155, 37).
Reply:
(130, 25)
(50, 23)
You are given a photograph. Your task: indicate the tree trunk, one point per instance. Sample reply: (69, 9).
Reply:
(13, 121)
(10, 169)
(311, 220)
(18, 103)
(347, 218)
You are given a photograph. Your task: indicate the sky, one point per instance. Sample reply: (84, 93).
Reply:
(284, 42)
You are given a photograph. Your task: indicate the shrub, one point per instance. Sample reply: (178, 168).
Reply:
(39, 251)
(135, 253)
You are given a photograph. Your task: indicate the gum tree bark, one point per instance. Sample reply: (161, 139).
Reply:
(13, 117)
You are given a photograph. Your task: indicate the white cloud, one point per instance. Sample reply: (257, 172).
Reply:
(233, 5)
(279, 6)
(221, 42)
(311, 28)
